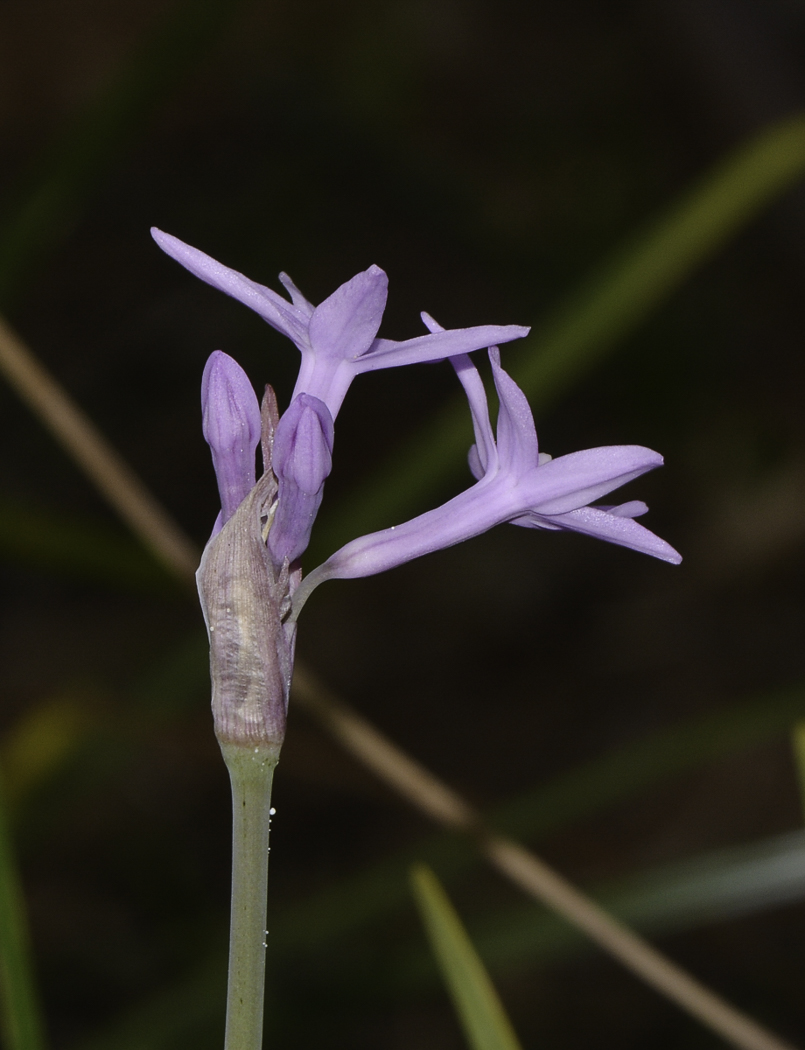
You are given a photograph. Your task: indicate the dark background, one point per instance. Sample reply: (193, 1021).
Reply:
(487, 156)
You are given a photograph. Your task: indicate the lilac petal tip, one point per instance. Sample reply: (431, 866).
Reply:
(231, 426)
(345, 324)
(302, 461)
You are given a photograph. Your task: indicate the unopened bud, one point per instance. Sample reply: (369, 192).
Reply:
(302, 459)
(231, 426)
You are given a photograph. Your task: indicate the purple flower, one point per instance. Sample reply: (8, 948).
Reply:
(515, 484)
(231, 427)
(302, 460)
(338, 338)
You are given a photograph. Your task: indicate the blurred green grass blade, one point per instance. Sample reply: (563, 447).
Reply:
(47, 204)
(46, 737)
(585, 327)
(314, 927)
(798, 742)
(712, 887)
(480, 1011)
(22, 1024)
(643, 274)
(582, 792)
(674, 898)
(80, 548)
(625, 772)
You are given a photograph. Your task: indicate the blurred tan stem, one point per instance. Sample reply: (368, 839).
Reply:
(145, 516)
(442, 804)
(116, 481)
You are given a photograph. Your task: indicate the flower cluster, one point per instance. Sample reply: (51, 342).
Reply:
(250, 580)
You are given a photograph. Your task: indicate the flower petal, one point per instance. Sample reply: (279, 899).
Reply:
(482, 453)
(296, 296)
(386, 353)
(345, 324)
(613, 528)
(633, 509)
(518, 450)
(570, 482)
(469, 514)
(287, 318)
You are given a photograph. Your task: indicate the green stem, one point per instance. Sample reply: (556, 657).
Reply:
(251, 771)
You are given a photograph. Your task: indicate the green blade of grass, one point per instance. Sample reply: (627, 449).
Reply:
(22, 1024)
(313, 927)
(477, 1004)
(711, 887)
(585, 327)
(798, 742)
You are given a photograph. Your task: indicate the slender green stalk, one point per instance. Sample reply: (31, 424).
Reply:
(22, 1025)
(251, 771)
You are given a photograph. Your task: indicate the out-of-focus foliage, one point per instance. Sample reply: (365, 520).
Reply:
(489, 157)
(21, 1009)
(799, 755)
(477, 1004)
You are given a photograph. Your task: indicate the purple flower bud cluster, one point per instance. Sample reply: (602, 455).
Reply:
(264, 526)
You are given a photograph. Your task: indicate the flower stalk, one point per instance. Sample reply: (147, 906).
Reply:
(251, 772)
(250, 580)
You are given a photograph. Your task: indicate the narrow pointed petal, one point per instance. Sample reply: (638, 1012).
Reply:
(287, 318)
(633, 509)
(385, 353)
(482, 452)
(344, 326)
(573, 481)
(296, 296)
(625, 531)
(518, 450)
(231, 425)
(301, 460)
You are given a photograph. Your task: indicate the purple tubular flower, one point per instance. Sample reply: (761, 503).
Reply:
(302, 460)
(231, 426)
(515, 484)
(338, 338)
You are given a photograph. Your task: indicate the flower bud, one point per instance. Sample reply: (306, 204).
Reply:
(231, 427)
(302, 460)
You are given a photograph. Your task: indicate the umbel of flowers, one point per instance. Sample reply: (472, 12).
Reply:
(250, 580)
